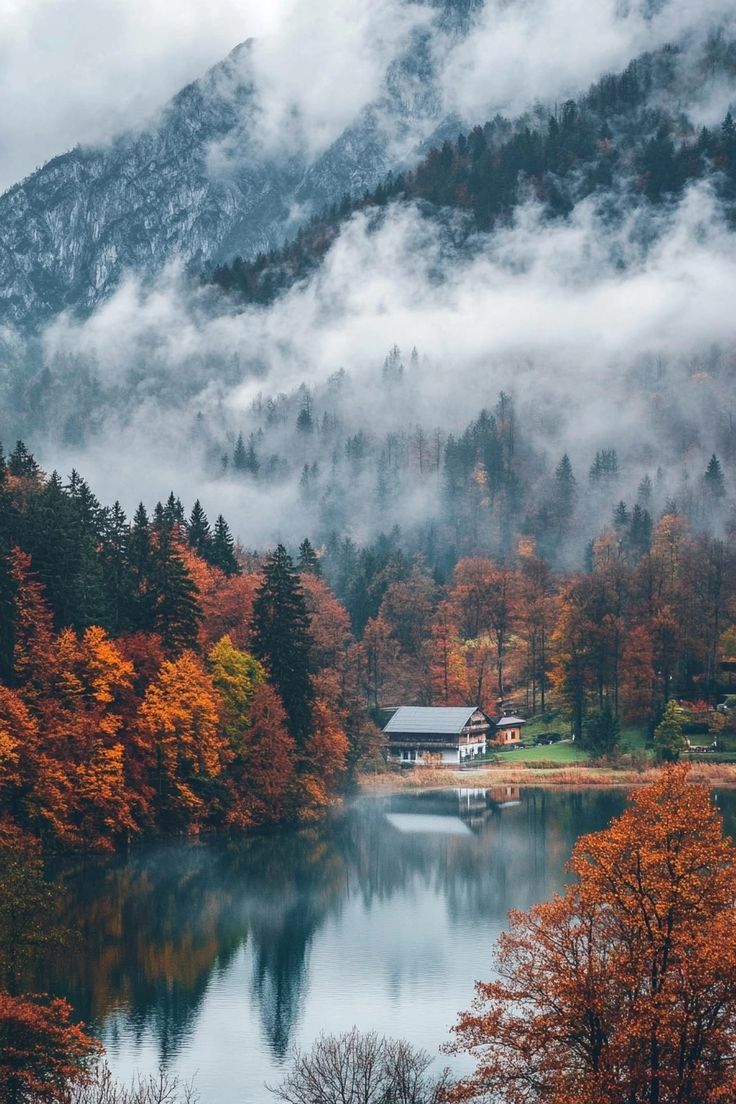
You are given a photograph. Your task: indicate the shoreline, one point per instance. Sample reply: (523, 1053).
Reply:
(579, 777)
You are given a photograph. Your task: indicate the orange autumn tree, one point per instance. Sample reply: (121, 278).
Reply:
(621, 990)
(43, 1055)
(179, 736)
(447, 671)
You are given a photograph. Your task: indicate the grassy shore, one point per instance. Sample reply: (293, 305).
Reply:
(537, 773)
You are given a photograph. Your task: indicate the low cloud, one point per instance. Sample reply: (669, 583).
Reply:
(603, 340)
(546, 50)
(81, 72)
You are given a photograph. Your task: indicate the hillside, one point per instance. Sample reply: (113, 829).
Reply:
(201, 183)
(629, 140)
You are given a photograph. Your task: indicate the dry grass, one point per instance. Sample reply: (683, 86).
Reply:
(420, 778)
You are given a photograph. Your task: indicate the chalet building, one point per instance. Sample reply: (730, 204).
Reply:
(443, 734)
(508, 731)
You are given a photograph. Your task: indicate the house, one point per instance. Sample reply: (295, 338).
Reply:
(508, 731)
(442, 734)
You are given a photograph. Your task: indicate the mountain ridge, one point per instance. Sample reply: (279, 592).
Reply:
(197, 185)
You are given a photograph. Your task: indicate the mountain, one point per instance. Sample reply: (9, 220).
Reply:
(198, 184)
(628, 142)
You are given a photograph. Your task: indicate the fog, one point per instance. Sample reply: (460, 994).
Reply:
(81, 72)
(610, 328)
(606, 334)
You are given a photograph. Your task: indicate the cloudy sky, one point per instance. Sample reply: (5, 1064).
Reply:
(76, 70)
(548, 311)
(80, 70)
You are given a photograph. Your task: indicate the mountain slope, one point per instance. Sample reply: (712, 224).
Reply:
(628, 141)
(198, 184)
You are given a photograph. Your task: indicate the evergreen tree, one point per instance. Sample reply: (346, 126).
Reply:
(159, 522)
(308, 559)
(239, 455)
(282, 640)
(22, 463)
(640, 531)
(669, 740)
(645, 493)
(304, 423)
(65, 556)
(252, 463)
(621, 517)
(116, 573)
(601, 731)
(604, 466)
(139, 611)
(565, 488)
(393, 369)
(176, 612)
(198, 531)
(222, 549)
(174, 512)
(8, 591)
(713, 479)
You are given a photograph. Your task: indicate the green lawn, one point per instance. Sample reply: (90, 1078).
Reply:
(553, 753)
(634, 739)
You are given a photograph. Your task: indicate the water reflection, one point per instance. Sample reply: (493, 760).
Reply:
(218, 956)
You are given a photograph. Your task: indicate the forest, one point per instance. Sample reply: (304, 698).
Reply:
(158, 678)
(625, 139)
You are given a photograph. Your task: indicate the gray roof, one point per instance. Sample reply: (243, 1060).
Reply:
(435, 720)
(508, 722)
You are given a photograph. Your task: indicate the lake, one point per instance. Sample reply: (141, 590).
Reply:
(216, 958)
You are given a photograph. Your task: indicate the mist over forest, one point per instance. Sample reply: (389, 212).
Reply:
(537, 273)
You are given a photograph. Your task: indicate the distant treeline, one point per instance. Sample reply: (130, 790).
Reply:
(480, 490)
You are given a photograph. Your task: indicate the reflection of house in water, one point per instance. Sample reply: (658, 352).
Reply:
(504, 796)
(449, 812)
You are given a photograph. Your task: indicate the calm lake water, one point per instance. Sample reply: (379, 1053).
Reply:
(215, 959)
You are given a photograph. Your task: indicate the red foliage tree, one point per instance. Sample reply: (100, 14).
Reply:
(43, 1055)
(623, 989)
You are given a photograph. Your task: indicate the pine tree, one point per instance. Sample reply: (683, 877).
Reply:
(63, 548)
(22, 463)
(604, 466)
(304, 423)
(282, 640)
(239, 455)
(138, 613)
(714, 481)
(174, 512)
(222, 549)
(621, 517)
(198, 531)
(601, 731)
(669, 741)
(308, 559)
(640, 530)
(176, 612)
(252, 463)
(565, 489)
(645, 493)
(8, 591)
(116, 573)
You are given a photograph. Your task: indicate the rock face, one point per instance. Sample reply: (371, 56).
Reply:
(196, 184)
